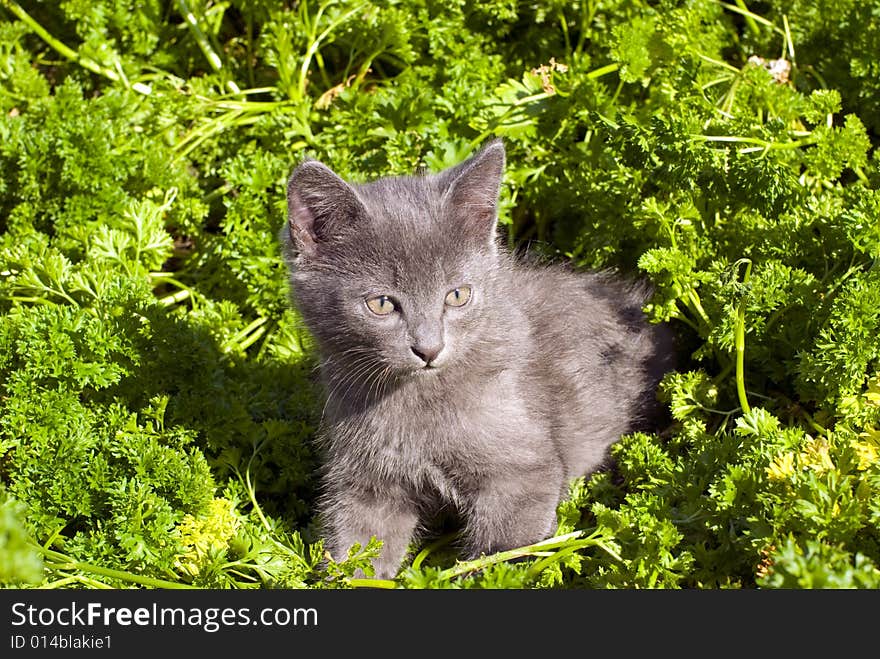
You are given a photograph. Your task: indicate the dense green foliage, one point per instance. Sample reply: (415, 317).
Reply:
(157, 396)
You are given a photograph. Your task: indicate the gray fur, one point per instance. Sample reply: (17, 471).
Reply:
(540, 372)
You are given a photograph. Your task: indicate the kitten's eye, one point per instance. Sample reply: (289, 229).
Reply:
(381, 305)
(459, 296)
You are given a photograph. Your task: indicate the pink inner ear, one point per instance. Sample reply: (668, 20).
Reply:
(473, 188)
(473, 197)
(301, 222)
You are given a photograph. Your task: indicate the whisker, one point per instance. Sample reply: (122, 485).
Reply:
(361, 365)
(342, 380)
(376, 381)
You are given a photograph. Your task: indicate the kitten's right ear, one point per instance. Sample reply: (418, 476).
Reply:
(320, 206)
(472, 188)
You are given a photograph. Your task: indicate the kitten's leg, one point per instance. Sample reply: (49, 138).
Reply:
(354, 516)
(512, 512)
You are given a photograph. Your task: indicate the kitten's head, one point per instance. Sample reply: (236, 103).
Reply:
(398, 274)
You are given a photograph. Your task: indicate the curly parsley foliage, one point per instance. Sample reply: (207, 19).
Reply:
(157, 400)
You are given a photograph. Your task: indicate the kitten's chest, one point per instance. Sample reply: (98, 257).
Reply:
(445, 439)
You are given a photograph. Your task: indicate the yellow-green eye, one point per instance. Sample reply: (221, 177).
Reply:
(381, 305)
(459, 296)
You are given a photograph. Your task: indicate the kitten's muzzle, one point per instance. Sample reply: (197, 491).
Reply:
(427, 354)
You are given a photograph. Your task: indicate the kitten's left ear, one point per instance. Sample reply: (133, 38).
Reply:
(320, 207)
(472, 189)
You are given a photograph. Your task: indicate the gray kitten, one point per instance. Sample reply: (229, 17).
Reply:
(456, 376)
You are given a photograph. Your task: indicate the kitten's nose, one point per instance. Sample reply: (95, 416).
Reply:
(426, 354)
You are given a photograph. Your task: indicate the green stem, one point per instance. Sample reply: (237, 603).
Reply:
(780, 146)
(740, 343)
(432, 547)
(65, 563)
(564, 25)
(243, 106)
(483, 562)
(813, 424)
(65, 50)
(678, 315)
(316, 43)
(203, 42)
(602, 71)
(750, 21)
(718, 62)
(696, 305)
(175, 298)
(60, 292)
(62, 48)
(267, 342)
(544, 563)
(789, 43)
(365, 68)
(751, 18)
(386, 584)
(760, 144)
(860, 173)
(250, 340)
(210, 128)
(242, 335)
(252, 495)
(218, 192)
(76, 579)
